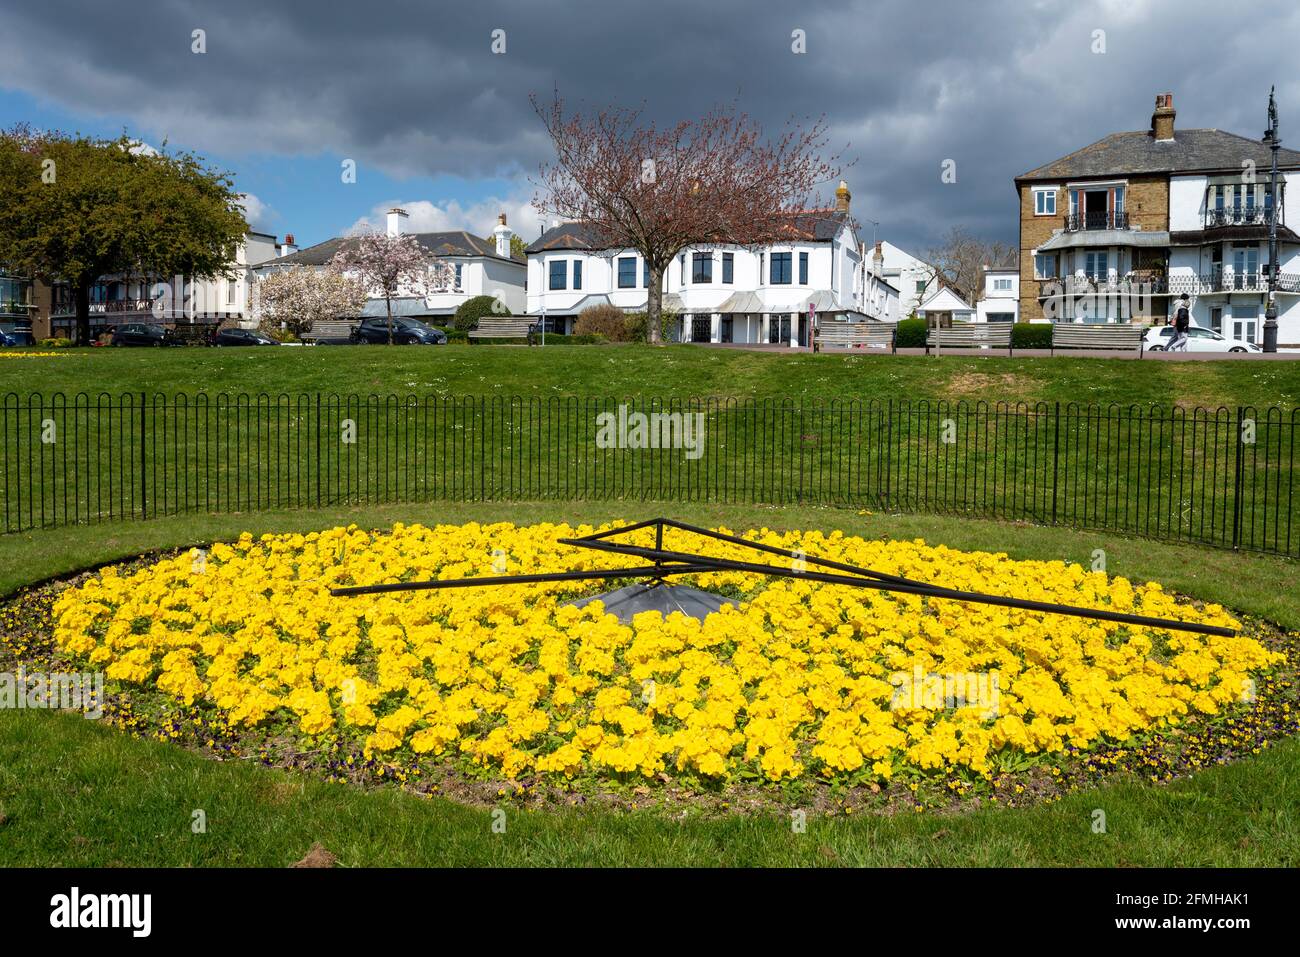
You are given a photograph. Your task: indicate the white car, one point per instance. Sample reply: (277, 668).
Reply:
(1199, 339)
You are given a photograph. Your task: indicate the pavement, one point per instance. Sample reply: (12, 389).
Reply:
(1281, 355)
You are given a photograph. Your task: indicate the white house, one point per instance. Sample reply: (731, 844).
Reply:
(944, 307)
(720, 293)
(913, 278)
(1218, 252)
(1000, 298)
(478, 267)
(172, 300)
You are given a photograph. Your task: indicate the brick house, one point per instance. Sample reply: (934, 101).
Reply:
(1118, 230)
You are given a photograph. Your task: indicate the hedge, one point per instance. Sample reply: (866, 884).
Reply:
(1031, 335)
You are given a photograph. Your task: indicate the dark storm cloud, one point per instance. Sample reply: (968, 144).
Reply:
(996, 87)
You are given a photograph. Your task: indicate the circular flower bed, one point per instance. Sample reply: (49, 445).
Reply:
(801, 681)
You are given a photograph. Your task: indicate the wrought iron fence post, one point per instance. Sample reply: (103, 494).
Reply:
(1056, 453)
(144, 508)
(1239, 469)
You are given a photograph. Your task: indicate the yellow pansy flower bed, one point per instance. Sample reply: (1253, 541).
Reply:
(802, 679)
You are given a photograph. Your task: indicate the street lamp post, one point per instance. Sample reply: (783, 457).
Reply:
(1270, 313)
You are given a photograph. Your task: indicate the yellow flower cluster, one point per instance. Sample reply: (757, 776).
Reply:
(30, 355)
(802, 678)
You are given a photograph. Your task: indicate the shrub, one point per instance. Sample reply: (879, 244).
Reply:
(611, 323)
(472, 310)
(639, 324)
(1031, 335)
(911, 334)
(57, 342)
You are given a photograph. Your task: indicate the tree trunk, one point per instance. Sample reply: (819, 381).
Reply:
(654, 309)
(81, 310)
(388, 304)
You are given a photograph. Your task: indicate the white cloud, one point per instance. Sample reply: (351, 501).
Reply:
(478, 218)
(259, 214)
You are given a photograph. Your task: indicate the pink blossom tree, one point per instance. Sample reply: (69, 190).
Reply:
(389, 266)
(298, 297)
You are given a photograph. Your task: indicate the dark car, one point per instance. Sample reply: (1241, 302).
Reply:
(406, 332)
(142, 334)
(242, 337)
(13, 335)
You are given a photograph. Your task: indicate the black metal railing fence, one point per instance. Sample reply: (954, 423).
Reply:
(1223, 477)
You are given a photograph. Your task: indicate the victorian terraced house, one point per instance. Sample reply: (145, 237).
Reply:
(1119, 230)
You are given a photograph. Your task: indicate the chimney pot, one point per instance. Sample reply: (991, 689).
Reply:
(1162, 119)
(502, 234)
(842, 197)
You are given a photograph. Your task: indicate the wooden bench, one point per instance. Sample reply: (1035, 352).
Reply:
(514, 328)
(333, 330)
(971, 335)
(855, 335)
(1124, 336)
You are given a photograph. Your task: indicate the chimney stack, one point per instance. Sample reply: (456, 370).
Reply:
(396, 225)
(1162, 120)
(842, 197)
(288, 248)
(503, 233)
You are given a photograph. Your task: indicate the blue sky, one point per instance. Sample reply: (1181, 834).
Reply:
(442, 124)
(301, 194)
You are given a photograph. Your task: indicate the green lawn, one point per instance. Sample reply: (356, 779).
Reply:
(681, 370)
(857, 431)
(72, 792)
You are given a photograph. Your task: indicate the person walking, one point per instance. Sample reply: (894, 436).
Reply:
(1182, 322)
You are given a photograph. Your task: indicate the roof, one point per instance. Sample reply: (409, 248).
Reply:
(945, 300)
(1197, 237)
(457, 243)
(1190, 151)
(814, 225)
(1146, 238)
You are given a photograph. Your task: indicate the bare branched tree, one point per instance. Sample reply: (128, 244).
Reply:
(658, 191)
(958, 262)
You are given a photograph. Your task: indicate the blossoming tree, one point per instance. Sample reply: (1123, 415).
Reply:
(658, 191)
(391, 265)
(296, 298)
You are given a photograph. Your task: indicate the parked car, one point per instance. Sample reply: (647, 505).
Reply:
(1199, 339)
(11, 335)
(406, 332)
(242, 337)
(142, 334)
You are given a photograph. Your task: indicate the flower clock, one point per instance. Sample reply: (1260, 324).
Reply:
(792, 681)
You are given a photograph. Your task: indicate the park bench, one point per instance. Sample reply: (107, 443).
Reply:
(512, 328)
(971, 335)
(332, 330)
(1117, 336)
(855, 335)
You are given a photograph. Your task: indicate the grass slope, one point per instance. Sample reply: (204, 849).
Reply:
(682, 370)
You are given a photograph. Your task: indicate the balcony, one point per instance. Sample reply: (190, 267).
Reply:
(1239, 216)
(15, 309)
(1140, 283)
(1105, 219)
(65, 306)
